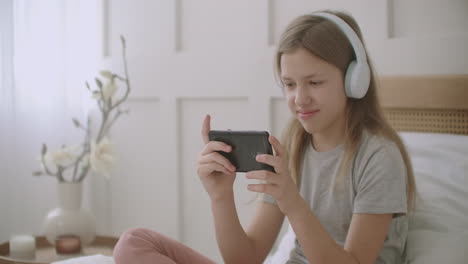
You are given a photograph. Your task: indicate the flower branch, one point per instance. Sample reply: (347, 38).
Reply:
(94, 153)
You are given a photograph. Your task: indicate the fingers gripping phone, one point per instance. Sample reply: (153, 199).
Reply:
(245, 147)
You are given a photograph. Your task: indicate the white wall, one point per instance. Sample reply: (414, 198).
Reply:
(189, 58)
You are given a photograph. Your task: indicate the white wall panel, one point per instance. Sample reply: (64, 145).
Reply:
(279, 115)
(196, 74)
(368, 13)
(137, 199)
(421, 56)
(426, 37)
(228, 26)
(148, 25)
(418, 18)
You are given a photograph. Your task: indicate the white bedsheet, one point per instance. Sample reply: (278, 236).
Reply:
(95, 259)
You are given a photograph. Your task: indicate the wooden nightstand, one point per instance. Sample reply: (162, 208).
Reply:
(45, 252)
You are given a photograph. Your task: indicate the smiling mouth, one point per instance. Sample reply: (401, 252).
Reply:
(306, 115)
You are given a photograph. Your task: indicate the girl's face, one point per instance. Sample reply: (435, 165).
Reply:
(314, 91)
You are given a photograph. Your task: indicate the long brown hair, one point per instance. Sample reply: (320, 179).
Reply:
(324, 39)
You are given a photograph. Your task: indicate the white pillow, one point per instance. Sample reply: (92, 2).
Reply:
(438, 227)
(426, 247)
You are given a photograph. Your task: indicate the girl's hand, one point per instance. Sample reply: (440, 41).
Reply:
(216, 173)
(279, 184)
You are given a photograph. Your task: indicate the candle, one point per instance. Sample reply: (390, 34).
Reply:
(68, 244)
(23, 246)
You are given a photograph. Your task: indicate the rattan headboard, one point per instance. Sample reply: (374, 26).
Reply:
(436, 104)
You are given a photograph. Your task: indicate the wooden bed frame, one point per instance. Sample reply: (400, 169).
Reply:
(431, 104)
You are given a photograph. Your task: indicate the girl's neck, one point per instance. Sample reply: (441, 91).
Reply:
(330, 138)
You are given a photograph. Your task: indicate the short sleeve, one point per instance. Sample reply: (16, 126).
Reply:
(381, 185)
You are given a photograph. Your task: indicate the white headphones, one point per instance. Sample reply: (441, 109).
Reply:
(357, 78)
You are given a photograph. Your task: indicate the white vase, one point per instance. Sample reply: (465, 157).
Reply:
(69, 218)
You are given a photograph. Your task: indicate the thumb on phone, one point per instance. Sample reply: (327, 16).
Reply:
(206, 129)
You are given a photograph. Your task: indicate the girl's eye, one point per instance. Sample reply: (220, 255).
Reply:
(289, 85)
(315, 83)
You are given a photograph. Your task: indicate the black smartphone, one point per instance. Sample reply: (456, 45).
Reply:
(245, 147)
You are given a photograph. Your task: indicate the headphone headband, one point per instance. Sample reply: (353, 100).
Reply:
(353, 38)
(358, 74)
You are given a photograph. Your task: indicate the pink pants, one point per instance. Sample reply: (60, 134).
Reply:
(144, 246)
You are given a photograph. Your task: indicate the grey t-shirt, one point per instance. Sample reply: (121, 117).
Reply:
(375, 184)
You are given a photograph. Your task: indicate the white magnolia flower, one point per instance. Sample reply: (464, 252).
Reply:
(108, 91)
(106, 74)
(93, 154)
(62, 157)
(85, 161)
(101, 157)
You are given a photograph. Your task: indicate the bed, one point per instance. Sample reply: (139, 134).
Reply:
(431, 115)
(433, 122)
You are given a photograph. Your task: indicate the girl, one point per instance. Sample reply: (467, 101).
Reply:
(346, 184)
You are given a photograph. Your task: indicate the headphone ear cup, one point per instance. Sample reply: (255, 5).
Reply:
(357, 80)
(348, 84)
